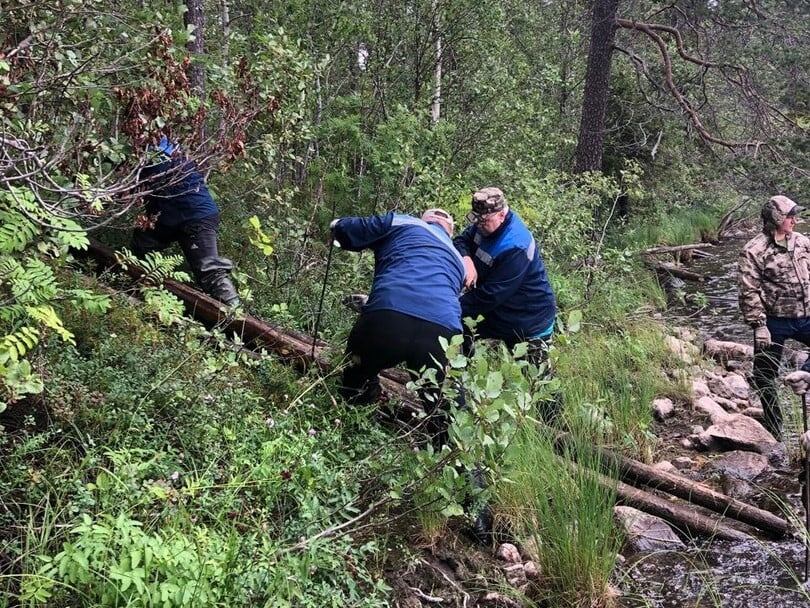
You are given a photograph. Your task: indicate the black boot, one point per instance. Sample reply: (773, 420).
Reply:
(214, 279)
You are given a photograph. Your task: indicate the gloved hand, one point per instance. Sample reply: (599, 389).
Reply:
(470, 274)
(798, 382)
(332, 238)
(762, 337)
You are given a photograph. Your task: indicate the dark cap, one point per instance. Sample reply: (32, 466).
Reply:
(488, 200)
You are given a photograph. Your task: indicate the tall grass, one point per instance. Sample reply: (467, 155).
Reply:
(567, 512)
(677, 227)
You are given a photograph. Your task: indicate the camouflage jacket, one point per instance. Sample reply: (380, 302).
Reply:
(773, 280)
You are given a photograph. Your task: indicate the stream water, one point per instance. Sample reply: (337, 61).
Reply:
(757, 574)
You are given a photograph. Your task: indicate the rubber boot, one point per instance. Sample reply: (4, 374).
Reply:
(215, 280)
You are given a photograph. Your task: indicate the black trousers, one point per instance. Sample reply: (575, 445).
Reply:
(766, 367)
(385, 338)
(197, 239)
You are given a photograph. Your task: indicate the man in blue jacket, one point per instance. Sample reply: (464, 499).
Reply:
(418, 275)
(506, 277)
(181, 210)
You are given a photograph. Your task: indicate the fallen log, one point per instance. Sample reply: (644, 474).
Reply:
(289, 346)
(684, 518)
(676, 271)
(675, 248)
(640, 474)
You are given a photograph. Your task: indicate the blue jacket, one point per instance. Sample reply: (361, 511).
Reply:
(417, 271)
(179, 193)
(513, 292)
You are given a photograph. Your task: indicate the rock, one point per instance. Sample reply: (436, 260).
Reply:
(508, 553)
(732, 386)
(515, 575)
(686, 443)
(700, 389)
(734, 365)
(696, 429)
(754, 412)
(739, 464)
(685, 351)
(721, 350)
(666, 466)
(531, 570)
(704, 441)
(646, 532)
(683, 462)
(493, 598)
(736, 488)
(711, 408)
(727, 404)
(741, 432)
(663, 408)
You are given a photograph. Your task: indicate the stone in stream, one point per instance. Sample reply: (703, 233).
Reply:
(663, 408)
(666, 466)
(739, 464)
(727, 404)
(736, 469)
(741, 432)
(645, 532)
(711, 408)
(731, 386)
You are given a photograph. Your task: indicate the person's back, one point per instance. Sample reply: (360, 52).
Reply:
(416, 271)
(413, 302)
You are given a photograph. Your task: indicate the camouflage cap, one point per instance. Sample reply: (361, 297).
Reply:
(488, 200)
(778, 208)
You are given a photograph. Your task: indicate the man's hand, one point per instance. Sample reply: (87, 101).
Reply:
(470, 274)
(798, 382)
(762, 337)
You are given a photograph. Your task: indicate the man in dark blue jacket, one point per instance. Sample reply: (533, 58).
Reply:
(182, 210)
(506, 276)
(418, 275)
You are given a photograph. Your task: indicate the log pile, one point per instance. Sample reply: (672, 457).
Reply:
(298, 350)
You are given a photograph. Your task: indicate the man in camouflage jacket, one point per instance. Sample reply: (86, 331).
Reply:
(774, 286)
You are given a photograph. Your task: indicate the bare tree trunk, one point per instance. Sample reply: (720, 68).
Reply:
(195, 17)
(591, 141)
(435, 106)
(225, 18)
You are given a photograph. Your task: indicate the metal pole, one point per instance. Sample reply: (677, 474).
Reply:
(806, 496)
(323, 293)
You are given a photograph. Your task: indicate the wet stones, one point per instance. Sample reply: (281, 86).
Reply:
(663, 408)
(739, 464)
(741, 432)
(645, 533)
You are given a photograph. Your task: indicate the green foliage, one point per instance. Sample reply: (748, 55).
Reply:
(33, 242)
(566, 512)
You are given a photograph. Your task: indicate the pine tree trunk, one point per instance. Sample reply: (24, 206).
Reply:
(591, 141)
(194, 16)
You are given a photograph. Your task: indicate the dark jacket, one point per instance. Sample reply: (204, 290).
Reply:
(178, 191)
(417, 271)
(513, 293)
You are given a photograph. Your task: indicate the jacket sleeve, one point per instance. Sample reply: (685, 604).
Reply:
(358, 233)
(750, 286)
(502, 282)
(464, 241)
